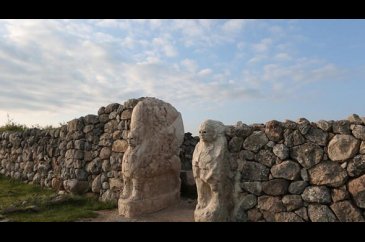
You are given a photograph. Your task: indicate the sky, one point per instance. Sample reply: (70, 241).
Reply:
(249, 70)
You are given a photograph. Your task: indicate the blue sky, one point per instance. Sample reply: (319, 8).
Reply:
(253, 71)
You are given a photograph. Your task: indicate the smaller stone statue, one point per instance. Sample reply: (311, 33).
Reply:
(211, 170)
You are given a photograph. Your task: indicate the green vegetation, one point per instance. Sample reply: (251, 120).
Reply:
(30, 203)
(10, 125)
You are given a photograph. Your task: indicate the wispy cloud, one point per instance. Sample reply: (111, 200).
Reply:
(71, 67)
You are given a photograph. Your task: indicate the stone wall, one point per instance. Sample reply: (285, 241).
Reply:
(299, 171)
(282, 171)
(83, 156)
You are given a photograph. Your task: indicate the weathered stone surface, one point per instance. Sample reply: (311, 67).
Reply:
(292, 202)
(109, 196)
(131, 103)
(78, 154)
(242, 130)
(79, 144)
(101, 110)
(120, 146)
(359, 132)
(94, 167)
(266, 158)
(113, 115)
(151, 164)
(111, 107)
(126, 114)
(115, 184)
(328, 173)
(96, 184)
(303, 125)
(254, 215)
(255, 141)
(252, 187)
(253, 171)
(274, 130)
(105, 166)
(105, 185)
(307, 154)
(297, 187)
(247, 155)
(354, 119)
(235, 144)
(362, 148)
(103, 118)
(272, 204)
(281, 151)
(357, 190)
(317, 136)
(287, 217)
(339, 194)
(341, 127)
(269, 216)
(74, 125)
(321, 213)
(356, 166)
(211, 170)
(270, 144)
(105, 153)
(289, 124)
(111, 126)
(293, 138)
(317, 194)
(76, 187)
(91, 119)
(81, 174)
(275, 187)
(303, 213)
(289, 170)
(304, 174)
(56, 184)
(343, 147)
(247, 201)
(324, 125)
(240, 216)
(346, 212)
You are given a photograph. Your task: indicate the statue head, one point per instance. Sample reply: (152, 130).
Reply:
(209, 130)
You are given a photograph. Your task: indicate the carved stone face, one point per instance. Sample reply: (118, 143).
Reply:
(206, 133)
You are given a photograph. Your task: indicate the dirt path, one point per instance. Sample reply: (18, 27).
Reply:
(183, 212)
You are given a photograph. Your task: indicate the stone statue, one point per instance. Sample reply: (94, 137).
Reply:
(151, 164)
(211, 170)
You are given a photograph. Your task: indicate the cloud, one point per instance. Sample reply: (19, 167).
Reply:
(233, 25)
(190, 65)
(165, 46)
(282, 57)
(68, 68)
(205, 72)
(280, 80)
(263, 45)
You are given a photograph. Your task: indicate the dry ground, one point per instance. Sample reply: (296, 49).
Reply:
(182, 212)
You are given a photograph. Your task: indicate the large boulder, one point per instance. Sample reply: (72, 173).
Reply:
(343, 147)
(307, 154)
(328, 173)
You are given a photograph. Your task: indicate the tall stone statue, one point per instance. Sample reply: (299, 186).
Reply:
(151, 164)
(211, 170)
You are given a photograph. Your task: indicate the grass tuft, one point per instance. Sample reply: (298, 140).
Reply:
(30, 203)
